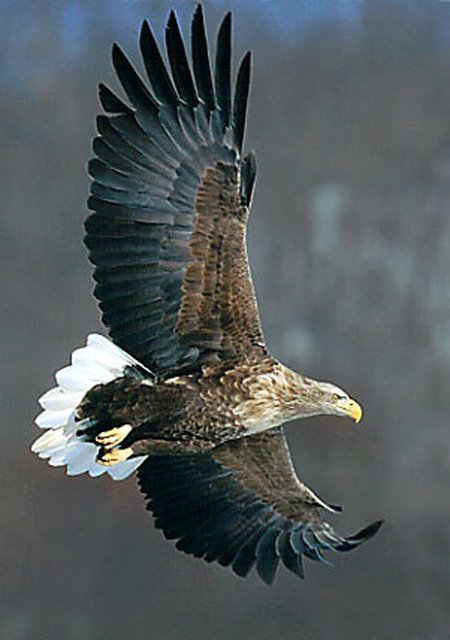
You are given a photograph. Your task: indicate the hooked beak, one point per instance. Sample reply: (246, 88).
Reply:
(352, 409)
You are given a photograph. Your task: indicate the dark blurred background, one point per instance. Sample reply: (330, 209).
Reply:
(350, 250)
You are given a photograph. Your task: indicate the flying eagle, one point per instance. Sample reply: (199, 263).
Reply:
(187, 392)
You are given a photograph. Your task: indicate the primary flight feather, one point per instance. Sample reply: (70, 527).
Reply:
(186, 392)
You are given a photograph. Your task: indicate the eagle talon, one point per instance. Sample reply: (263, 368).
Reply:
(113, 456)
(113, 437)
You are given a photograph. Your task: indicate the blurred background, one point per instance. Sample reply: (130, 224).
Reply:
(350, 250)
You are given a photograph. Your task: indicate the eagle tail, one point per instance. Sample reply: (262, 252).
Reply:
(99, 362)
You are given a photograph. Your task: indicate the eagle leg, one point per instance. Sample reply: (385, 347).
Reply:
(110, 457)
(113, 437)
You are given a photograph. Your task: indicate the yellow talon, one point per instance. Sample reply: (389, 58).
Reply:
(113, 456)
(113, 437)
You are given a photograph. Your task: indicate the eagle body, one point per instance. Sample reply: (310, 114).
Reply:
(185, 392)
(196, 411)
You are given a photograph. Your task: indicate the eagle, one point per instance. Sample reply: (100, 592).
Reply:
(185, 392)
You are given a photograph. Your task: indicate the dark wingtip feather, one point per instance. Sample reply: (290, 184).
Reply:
(135, 89)
(120, 62)
(223, 69)
(179, 65)
(198, 19)
(246, 556)
(116, 53)
(248, 176)
(110, 102)
(365, 534)
(200, 60)
(155, 67)
(241, 100)
(291, 560)
(226, 22)
(267, 559)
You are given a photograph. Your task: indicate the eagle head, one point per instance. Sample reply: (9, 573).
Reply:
(328, 399)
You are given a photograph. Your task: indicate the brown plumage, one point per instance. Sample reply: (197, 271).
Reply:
(194, 400)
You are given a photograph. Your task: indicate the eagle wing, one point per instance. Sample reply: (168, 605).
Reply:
(170, 200)
(242, 504)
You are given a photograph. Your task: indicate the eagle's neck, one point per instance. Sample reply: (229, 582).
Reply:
(275, 396)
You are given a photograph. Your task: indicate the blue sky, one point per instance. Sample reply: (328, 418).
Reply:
(283, 15)
(29, 25)
(286, 17)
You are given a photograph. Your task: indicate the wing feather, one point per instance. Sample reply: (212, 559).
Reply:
(242, 505)
(155, 68)
(178, 63)
(110, 102)
(200, 62)
(222, 75)
(241, 99)
(136, 91)
(169, 202)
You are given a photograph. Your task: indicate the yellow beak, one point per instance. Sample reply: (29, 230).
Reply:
(353, 410)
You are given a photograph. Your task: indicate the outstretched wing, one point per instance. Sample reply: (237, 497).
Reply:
(242, 504)
(169, 202)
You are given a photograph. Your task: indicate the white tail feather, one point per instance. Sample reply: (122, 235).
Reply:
(99, 362)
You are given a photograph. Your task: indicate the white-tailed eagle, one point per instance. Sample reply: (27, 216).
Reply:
(186, 392)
